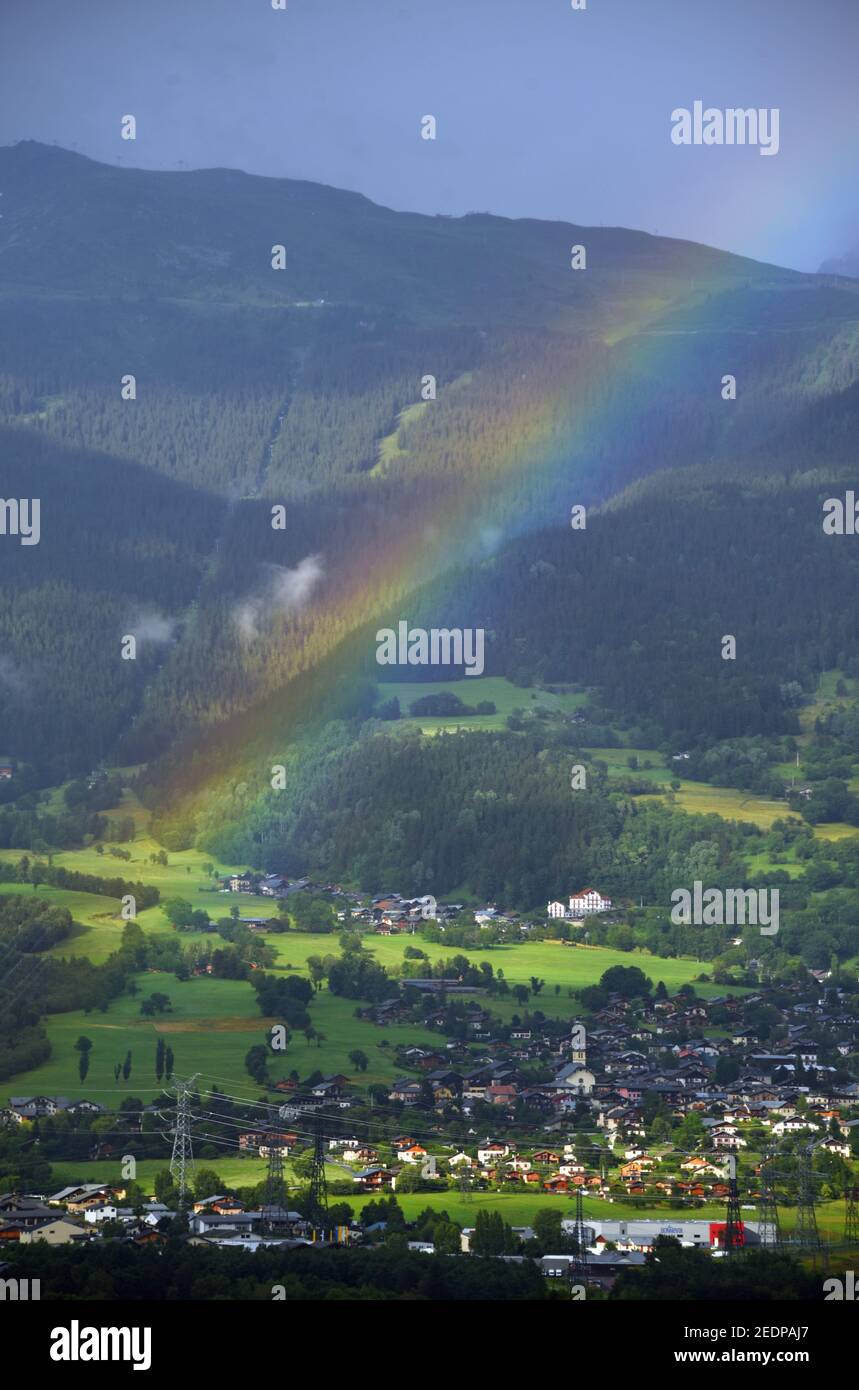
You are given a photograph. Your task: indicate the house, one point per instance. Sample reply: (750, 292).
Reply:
(36, 1107)
(583, 904)
(501, 1095)
(23, 1216)
(240, 883)
(412, 1153)
(92, 1196)
(557, 1184)
(636, 1168)
(211, 1223)
(59, 1231)
(724, 1139)
(588, 901)
(375, 1178)
(491, 1153)
(6, 769)
(220, 1206)
(272, 885)
(406, 1091)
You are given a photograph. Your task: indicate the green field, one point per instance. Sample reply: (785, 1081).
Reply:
(472, 690)
(519, 1209)
(763, 863)
(700, 798)
(213, 1025)
(215, 1022)
(182, 877)
(235, 1172)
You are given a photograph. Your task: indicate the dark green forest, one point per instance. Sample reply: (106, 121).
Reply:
(256, 388)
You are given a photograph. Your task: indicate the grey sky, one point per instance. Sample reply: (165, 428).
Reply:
(542, 111)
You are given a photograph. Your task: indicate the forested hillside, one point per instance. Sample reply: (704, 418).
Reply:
(427, 398)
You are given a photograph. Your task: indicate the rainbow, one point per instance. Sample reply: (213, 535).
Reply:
(515, 472)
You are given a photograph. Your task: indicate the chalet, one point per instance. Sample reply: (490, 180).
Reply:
(26, 1212)
(412, 1153)
(501, 1095)
(37, 1107)
(727, 1139)
(636, 1168)
(406, 1091)
(220, 1206)
(375, 1178)
(460, 1160)
(492, 1152)
(96, 1198)
(560, 1183)
(272, 885)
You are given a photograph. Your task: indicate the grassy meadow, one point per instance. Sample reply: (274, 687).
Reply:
(471, 690)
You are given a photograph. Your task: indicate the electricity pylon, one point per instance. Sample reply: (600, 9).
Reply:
(318, 1195)
(768, 1227)
(807, 1234)
(274, 1189)
(182, 1159)
(580, 1257)
(851, 1216)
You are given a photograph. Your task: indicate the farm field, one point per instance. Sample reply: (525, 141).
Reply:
(700, 798)
(182, 877)
(234, 1172)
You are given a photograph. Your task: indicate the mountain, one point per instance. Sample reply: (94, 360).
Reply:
(307, 388)
(848, 264)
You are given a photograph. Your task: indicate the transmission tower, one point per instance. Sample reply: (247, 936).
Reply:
(851, 1216)
(807, 1234)
(463, 1184)
(273, 1199)
(182, 1160)
(769, 1232)
(733, 1220)
(318, 1195)
(579, 1268)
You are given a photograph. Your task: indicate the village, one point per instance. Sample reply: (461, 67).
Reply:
(667, 1109)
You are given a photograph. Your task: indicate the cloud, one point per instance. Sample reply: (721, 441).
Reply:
(151, 626)
(283, 591)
